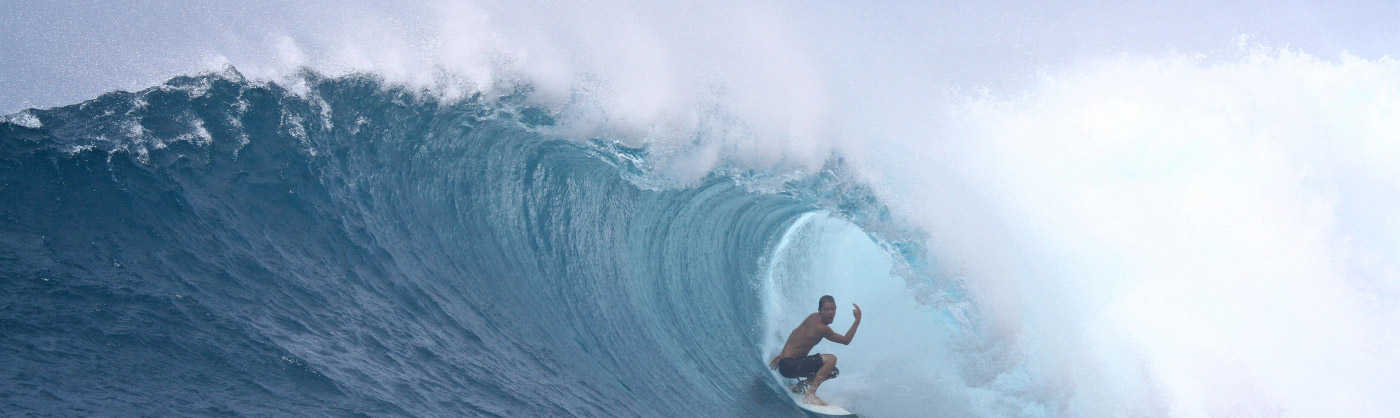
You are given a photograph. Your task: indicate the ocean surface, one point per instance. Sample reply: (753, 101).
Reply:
(615, 208)
(218, 247)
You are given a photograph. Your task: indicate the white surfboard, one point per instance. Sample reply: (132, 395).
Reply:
(818, 410)
(814, 410)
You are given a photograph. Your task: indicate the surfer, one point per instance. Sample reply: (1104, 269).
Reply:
(812, 370)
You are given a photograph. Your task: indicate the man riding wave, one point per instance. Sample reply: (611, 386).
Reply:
(812, 370)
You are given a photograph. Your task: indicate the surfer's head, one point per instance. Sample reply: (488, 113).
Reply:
(826, 309)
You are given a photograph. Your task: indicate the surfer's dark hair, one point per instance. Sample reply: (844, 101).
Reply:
(825, 299)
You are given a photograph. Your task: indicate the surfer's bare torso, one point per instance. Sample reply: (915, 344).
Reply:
(806, 336)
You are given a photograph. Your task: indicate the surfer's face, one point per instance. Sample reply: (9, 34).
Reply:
(827, 313)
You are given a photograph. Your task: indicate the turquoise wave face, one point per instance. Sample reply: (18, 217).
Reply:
(217, 246)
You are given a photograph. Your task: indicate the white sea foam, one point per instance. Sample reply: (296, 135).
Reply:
(1182, 237)
(25, 119)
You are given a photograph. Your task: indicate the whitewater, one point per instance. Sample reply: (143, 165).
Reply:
(621, 209)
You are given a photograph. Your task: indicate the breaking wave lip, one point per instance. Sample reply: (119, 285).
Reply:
(23, 118)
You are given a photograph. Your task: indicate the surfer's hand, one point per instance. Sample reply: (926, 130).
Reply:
(773, 365)
(856, 312)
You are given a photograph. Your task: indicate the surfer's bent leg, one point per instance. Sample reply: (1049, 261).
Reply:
(828, 363)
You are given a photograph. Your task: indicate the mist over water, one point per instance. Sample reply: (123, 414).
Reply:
(1196, 229)
(1175, 209)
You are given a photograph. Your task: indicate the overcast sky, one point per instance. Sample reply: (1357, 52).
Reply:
(64, 52)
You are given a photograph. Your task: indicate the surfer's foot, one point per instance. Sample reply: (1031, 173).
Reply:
(800, 387)
(811, 399)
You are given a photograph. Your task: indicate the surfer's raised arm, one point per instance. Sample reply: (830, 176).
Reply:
(851, 333)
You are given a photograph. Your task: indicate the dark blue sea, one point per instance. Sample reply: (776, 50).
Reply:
(217, 247)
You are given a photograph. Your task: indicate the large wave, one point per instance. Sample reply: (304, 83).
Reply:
(614, 208)
(218, 246)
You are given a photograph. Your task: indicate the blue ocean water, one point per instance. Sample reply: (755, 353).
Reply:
(214, 246)
(1157, 235)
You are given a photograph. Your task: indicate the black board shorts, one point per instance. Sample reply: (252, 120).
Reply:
(800, 367)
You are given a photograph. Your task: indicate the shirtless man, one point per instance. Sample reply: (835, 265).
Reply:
(794, 362)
